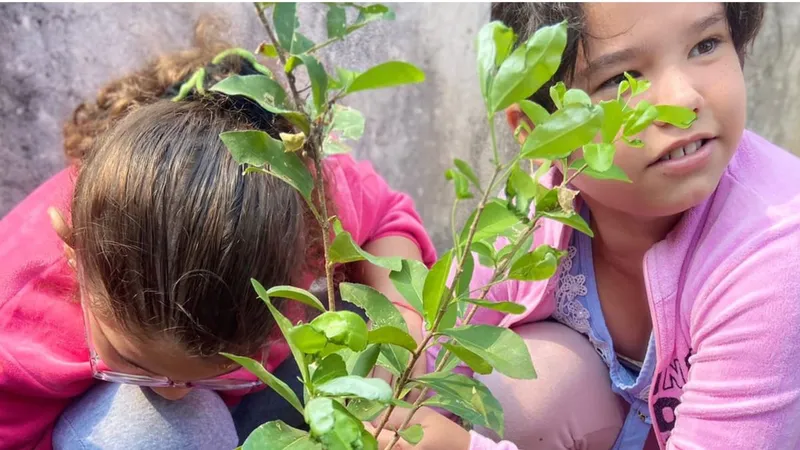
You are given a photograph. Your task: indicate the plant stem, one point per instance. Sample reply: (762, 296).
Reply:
(281, 55)
(324, 44)
(440, 315)
(490, 118)
(314, 142)
(474, 309)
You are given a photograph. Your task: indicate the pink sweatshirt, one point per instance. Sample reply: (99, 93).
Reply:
(724, 294)
(43, 351)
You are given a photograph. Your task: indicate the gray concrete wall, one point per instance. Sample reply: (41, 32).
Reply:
(54, 55)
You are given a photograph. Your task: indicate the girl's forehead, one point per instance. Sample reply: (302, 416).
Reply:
(615, 21)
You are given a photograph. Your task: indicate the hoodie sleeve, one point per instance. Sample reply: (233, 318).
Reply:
(369, 209)
(743, 388)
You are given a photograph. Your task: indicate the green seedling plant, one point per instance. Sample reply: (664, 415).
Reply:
(337, 350)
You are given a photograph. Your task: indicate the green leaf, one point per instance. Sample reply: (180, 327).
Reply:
(449, 318)
(573, 220)
(332, 366)
(600, 157)
(528, 67)
(333, 425)
(308, 339)
(557, 93)
(495, 219)
(475, 362)
(285, 325)
(284, 18)
(539, 264)
(465, 169)
(450, 365)
(413, 434)
(393, 359)
(392, 335)
(622, 89)
(460, 184)
(352, 386)
(462, 284)
(269, 379)
(612, 120)
(567, 130)
(634, 83)
(267, 50)
(634, 143)
(343, 328)
(344, 78)
(494, 43)
(465, 397)
(261, 89)
(367, 14)
(344, 250)
(502, 348)
(486, 253)
(301, 44)
(535, 112)
(258, 148)
(388, 74)
(435, 287)
(410, 282)
(644, 115)
(336, 21)
(332, 146)
(677, 116)
(366, 410)
(506, 307)
(279, 436)
(366, 361)
(301, 295)
(613, 173)
(576, 97)
(379, 309)
(319, 80)
(348, 122)
(522, 188)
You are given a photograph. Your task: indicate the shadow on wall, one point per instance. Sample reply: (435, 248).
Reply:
(55, 55)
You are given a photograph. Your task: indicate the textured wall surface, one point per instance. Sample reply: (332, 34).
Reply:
(54, 55)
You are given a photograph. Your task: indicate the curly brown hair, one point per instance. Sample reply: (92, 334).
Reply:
(167, 230)
(144, 86)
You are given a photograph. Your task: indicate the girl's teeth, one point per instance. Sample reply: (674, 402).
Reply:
(688, 149)
(677, 153)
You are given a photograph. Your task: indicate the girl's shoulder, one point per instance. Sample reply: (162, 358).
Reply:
(743, 241)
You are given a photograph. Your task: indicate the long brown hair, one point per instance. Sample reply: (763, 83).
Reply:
(167, 231)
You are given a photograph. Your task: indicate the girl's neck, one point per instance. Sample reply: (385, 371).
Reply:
(622, 239)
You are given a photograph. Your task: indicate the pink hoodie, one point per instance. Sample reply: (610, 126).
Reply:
(724, 293)
(43, 353)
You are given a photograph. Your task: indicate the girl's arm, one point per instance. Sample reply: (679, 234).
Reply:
(743, 388)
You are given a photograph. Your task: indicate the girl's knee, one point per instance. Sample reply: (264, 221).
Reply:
(570, 404)
(112, 416)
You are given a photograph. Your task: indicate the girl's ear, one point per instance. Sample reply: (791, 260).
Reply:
(518, 120)
(64, 232)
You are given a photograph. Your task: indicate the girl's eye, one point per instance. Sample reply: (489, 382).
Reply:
(705, 47)
(615, 81)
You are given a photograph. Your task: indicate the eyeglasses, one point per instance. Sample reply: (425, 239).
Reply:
(237, 379)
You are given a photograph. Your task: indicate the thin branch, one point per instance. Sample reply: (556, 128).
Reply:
(474, 308)
(281, 55)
